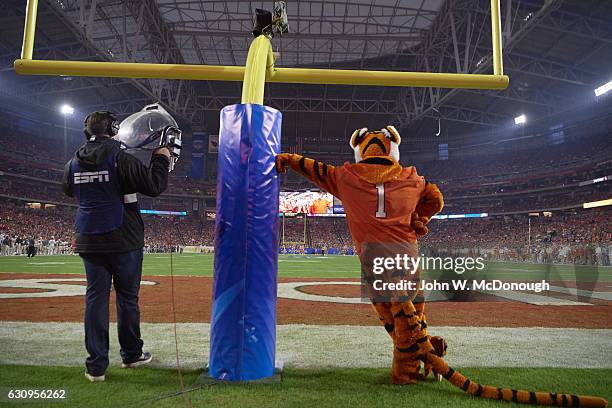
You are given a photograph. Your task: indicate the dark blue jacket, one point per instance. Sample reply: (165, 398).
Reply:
(99, 175)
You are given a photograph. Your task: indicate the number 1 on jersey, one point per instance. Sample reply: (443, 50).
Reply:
(380, 212)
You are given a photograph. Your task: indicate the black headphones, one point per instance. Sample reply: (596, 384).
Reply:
(112, 127)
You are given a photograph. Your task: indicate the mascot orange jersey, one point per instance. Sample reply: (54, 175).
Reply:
(378, 194)
(387, 203)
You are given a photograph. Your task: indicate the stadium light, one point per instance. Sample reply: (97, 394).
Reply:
(605, 88)
(67, 110)
(600, 203)
(520, 120)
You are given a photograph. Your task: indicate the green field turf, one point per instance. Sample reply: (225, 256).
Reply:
(299, 266)
(300, 388)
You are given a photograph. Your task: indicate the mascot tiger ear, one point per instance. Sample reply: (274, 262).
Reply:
(356, 139)
(393, 135)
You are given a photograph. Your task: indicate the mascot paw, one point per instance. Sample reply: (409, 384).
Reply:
(440, 346)
(418, 224)
(282, 160)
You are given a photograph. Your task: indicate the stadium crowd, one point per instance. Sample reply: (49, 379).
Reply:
(565, 237)
(164, 233)
(521, 180)
(49, 229)
(582, 237)
(529, 162)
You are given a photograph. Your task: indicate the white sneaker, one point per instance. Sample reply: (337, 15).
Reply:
(94, 378)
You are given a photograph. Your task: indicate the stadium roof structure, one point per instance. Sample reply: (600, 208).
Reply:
(555, 52)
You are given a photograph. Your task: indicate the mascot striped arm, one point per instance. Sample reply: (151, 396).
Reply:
(387, 203)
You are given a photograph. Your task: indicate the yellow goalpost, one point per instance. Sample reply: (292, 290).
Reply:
(260, 68)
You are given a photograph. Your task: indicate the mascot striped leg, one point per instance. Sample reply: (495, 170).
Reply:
(411, 343)
(398, 320)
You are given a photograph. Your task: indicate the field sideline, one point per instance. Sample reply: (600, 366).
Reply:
(333, 350)
(299, 266)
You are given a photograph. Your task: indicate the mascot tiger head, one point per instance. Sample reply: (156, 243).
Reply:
(381, 144)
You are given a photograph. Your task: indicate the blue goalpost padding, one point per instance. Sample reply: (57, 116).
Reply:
(243, 321)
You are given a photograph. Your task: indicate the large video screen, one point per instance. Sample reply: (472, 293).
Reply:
(306, 202)
(338, 208)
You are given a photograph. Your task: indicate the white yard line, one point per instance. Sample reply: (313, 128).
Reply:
(291, 290)
(582, 292)
(53, 287)
(532, 298)
(322, 346)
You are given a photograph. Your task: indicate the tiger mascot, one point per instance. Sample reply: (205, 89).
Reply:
(385, 202)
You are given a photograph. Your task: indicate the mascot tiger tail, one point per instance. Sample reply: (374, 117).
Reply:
(387, 203)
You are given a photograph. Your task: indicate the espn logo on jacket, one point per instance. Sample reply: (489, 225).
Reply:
(91, 177)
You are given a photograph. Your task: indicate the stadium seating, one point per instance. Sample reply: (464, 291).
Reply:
(507, 185)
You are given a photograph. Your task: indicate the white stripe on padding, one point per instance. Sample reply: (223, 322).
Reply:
(130, 198)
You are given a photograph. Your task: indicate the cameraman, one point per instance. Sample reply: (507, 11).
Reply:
(109, 235)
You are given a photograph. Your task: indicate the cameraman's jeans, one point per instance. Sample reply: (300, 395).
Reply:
(124, 270)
